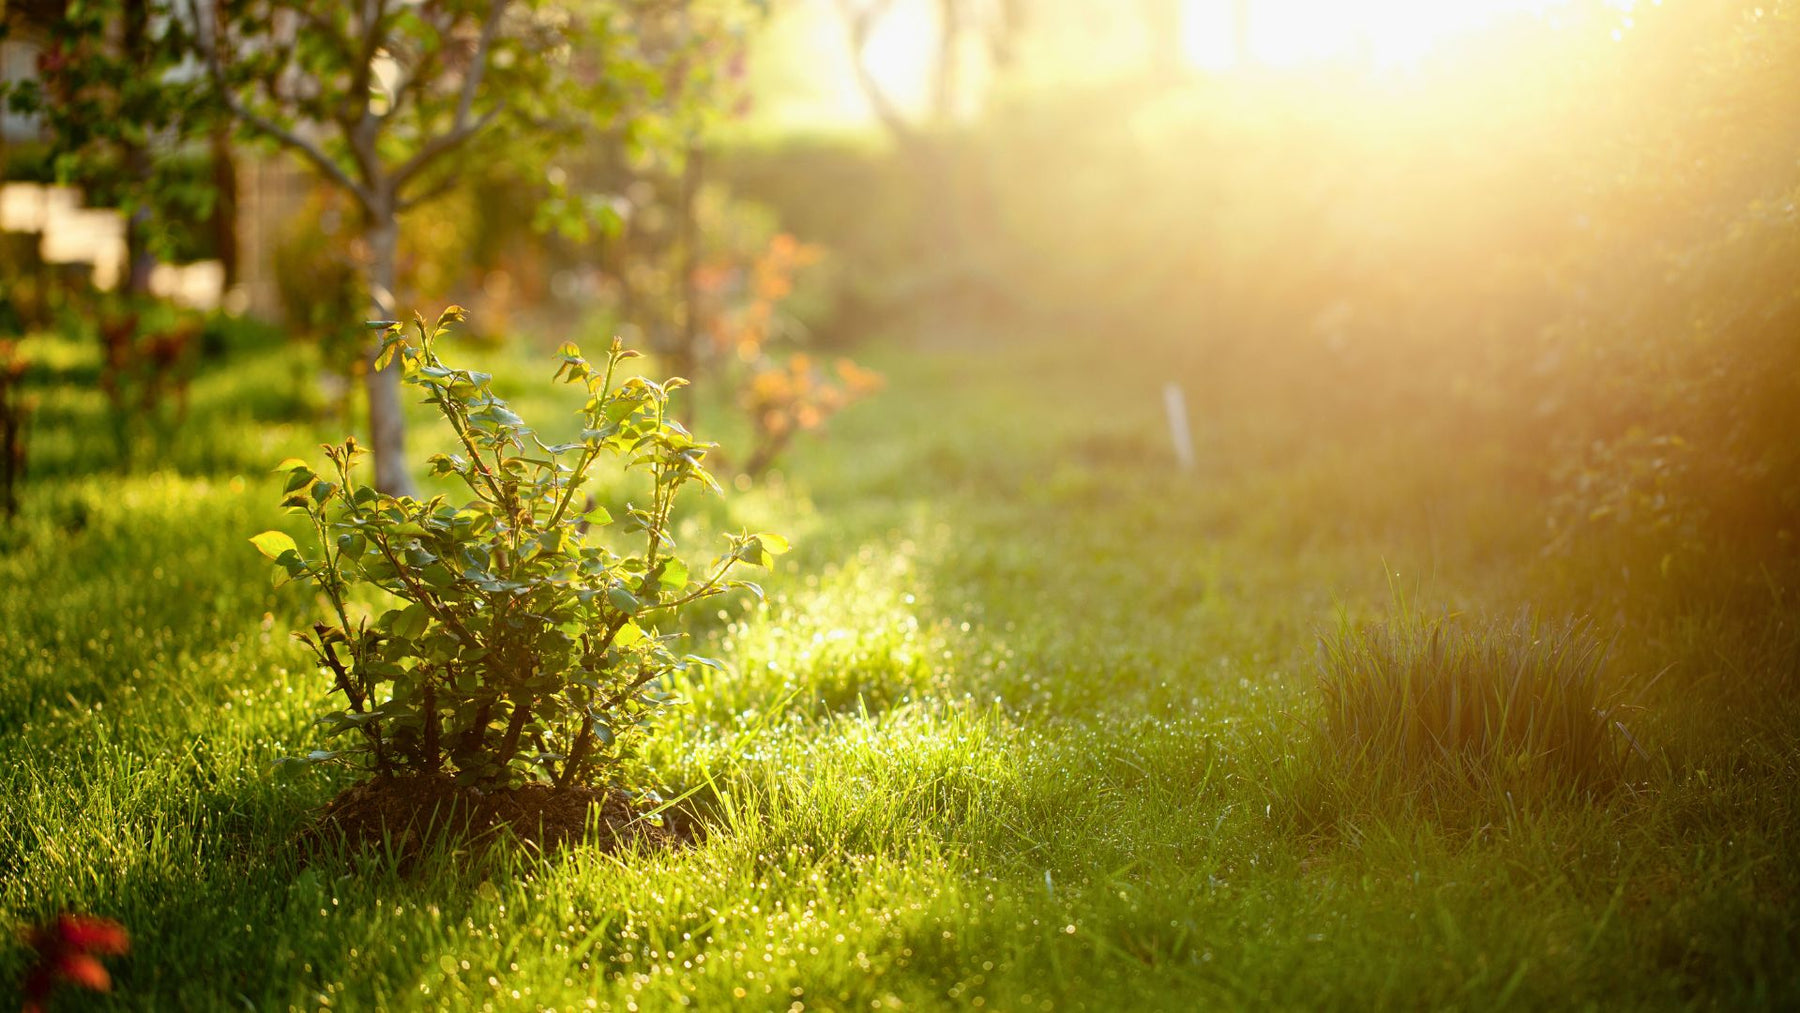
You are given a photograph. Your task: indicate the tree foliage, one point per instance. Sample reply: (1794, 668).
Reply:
(398, 103)
(117, 109)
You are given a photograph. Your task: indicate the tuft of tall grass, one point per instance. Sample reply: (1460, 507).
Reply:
(1445, 714)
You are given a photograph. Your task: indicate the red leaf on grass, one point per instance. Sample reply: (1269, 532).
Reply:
(96, 935)
(65, 952)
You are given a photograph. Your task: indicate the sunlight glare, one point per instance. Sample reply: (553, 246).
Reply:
(1287, 33)
(899, 49)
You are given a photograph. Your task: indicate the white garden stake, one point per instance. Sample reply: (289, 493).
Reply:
(1176, 403)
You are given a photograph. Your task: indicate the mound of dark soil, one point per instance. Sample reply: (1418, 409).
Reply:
(405, 816)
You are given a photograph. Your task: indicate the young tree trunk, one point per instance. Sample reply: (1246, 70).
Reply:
(432, 760)
(578, 754)
(225, 181)
(139, 260)
(387, 424)
(225, 205)
(685, 361)
(509, 743)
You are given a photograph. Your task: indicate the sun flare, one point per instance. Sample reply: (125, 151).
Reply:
(1218, 34)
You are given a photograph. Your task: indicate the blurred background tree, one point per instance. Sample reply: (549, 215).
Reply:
(399, 104)
(118, 115)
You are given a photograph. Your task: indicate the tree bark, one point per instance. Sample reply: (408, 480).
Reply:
(139, 259)
(387, 423)
(584, 741)
(225, 205)
(433, 758)
(225, 182)
(509, 744)
(685, 361)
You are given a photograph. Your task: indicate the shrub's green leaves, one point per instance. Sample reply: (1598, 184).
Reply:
(289, 767)
(623, 600)
(274, 543)
(391, 344)
(439, 647)
(299, 478)
(495, 416)
(672, 574)
(761, 549)
(410, 621)
(706, 478)
(452, 314)
(292, 562)
(447, 464)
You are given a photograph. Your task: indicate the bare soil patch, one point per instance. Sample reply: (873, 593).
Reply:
(406, 816)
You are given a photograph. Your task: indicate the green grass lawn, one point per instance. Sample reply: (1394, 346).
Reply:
(1030, 721)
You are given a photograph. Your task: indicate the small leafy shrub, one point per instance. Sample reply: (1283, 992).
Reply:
(148, 354)
(748, 292)
(784, 399)
(24, 301)
(525, 644)
(319, 284)
(1444, 714)
(781, 395)
(15, 414)
(1631, 484)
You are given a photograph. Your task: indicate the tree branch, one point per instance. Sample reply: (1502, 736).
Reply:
(443, 144)
(861, 22)
(358, 121)
(433, 192)
(414, 78)
(461, 129)
(210, 49)
(478, 62)
(323, 25)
